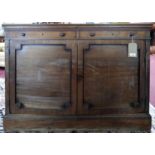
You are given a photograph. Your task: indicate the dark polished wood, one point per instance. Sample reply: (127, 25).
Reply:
(110, 83)
(47, 66)
(77, 77)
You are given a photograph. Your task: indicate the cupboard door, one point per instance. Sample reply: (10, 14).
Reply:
(43, 77)
(110, 82)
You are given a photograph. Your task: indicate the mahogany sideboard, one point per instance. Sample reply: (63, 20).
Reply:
(77, 78)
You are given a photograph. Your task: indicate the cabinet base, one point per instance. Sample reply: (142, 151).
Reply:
(108, 123)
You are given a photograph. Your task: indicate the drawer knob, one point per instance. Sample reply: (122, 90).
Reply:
(92, 34)
(62, 34)
(23, 34)
(131, 34)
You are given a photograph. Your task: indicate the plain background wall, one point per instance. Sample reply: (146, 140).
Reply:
(27, 11)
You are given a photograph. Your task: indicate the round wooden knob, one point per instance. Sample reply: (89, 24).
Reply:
(62, 34)
(23, 34)
(132, 34)
(92, 34)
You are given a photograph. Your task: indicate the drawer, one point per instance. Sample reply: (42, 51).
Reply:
(42, 35)
(113, 34)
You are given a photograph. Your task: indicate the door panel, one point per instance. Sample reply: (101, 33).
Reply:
(110, 80)
(45, 77)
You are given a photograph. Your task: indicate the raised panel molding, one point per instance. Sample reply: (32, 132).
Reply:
(19, 47)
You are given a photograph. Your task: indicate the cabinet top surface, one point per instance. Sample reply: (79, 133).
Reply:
(115, 25)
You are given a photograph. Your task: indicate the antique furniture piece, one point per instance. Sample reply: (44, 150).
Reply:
(77, 78)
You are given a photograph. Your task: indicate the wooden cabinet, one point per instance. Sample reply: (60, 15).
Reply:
(77, 77)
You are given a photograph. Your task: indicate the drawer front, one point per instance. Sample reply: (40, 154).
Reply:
(42, 35)
(113, 34)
